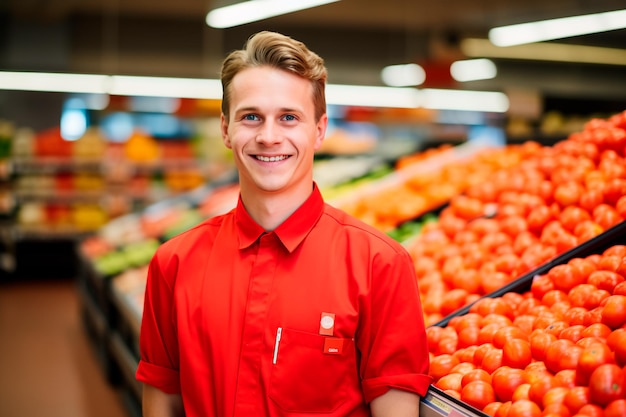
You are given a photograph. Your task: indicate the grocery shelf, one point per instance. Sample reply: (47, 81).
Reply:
(436, 403)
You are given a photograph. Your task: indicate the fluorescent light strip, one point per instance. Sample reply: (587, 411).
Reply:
(486, 101)
(565, 27)
(53, 82)
(346, 95)
(557, 52)
(403, 75)
(251, 11)
(165, 87)
(353, 95)
(473, 69)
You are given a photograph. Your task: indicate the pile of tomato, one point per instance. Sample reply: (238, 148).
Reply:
(522, 216)
(558, 349)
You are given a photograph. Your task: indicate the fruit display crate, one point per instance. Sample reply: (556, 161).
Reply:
(614, 235)
(437, 403)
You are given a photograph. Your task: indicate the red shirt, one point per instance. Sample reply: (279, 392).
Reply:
(233, 316)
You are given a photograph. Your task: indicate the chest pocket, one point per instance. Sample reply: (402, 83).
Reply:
(304, 379)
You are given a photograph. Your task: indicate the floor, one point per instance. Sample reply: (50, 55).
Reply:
(47, 365)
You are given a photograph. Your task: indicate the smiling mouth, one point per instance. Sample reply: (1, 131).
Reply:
(272, 158)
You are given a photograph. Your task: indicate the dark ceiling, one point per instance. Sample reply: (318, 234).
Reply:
(356, 37)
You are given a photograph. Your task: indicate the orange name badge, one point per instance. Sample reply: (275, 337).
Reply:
(327, 324)
(333, 346)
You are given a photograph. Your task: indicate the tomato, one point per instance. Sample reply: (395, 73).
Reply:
(610, 262)
(575, 315)
(605, 280)
(521, 392)
(616, 408)
(478, 394)
(507, 333)
(565, 277)
(488, 305)
(442, 365)
(463, 368)
(568, 193)
(468, 337)
(595, 298)
(600, 330)
(480, 352)
(492, 408)
(566, 378)
(573, 333)
(492, 360)
(562, 354)
(555, 395)
(579, 294)
(606, 384)
(540, 386)
(614, 311)
(503, 410)
(540, 340)
(620, 289)
(571, 216)
(592, 356)
(614, 189)
(591, 198)
(619, 346)
(524, 408)
(591, 410)
(606, 216)
(505, 381)
(620, 206)
(540, 285)
(433, 336)
(452, 381)
(476, 375)
(576, 397)
(555, 410)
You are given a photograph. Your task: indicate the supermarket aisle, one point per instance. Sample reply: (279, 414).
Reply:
(47, 366)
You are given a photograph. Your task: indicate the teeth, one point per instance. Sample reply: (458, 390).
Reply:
(271, 158)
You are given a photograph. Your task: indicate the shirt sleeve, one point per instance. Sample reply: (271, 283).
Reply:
(392, 336)
(158, 346)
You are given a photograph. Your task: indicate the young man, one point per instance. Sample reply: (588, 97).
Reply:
(284, 306)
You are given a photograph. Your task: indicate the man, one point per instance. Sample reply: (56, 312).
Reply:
(284, 306)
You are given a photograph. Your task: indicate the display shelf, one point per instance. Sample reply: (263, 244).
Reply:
(436, 403)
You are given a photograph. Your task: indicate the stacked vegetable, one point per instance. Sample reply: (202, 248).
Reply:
(558, 349)
(522, 216)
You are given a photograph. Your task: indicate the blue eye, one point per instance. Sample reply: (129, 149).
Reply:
(289, 117)
(250, 117)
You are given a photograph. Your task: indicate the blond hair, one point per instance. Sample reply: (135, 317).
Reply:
(281, 52)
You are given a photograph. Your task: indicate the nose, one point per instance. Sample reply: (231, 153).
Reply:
(269, 133)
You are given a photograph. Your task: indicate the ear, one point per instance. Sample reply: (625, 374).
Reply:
(224, 129)
(320, 133)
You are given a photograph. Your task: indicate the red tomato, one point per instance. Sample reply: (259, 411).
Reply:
(592, 356)
(614, 311)
(606, 384)
(591, 410)
(505, 380)
(605, 280)
(442, 365)
(492, 360)
(540, 340)
(539, 387)
(507, 333)
(524, 408)
(576, 398)
(492, 408)
(616, 408)
(478, 394)
(606, 216)
(562, 354)
(565, 277)
(451, 381)
(476, 375)
(554, 396)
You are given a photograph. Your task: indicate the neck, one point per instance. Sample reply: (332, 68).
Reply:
(269, 209)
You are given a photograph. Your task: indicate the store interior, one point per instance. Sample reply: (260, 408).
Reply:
(91, 182)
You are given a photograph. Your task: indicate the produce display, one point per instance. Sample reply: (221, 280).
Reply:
(476, 221)
(558, 349)
(521, 217)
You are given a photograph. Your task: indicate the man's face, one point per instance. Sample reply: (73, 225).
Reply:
(272, 130)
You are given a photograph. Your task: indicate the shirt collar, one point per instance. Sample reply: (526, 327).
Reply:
(291, 232)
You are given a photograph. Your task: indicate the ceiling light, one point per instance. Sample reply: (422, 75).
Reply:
(565, 27)
(485, 101)
(355, 95)
(473, 69)
(403, 75)
(336, 94)
(253, 10)
(53, 82)
(165, 87)
(557, 52)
